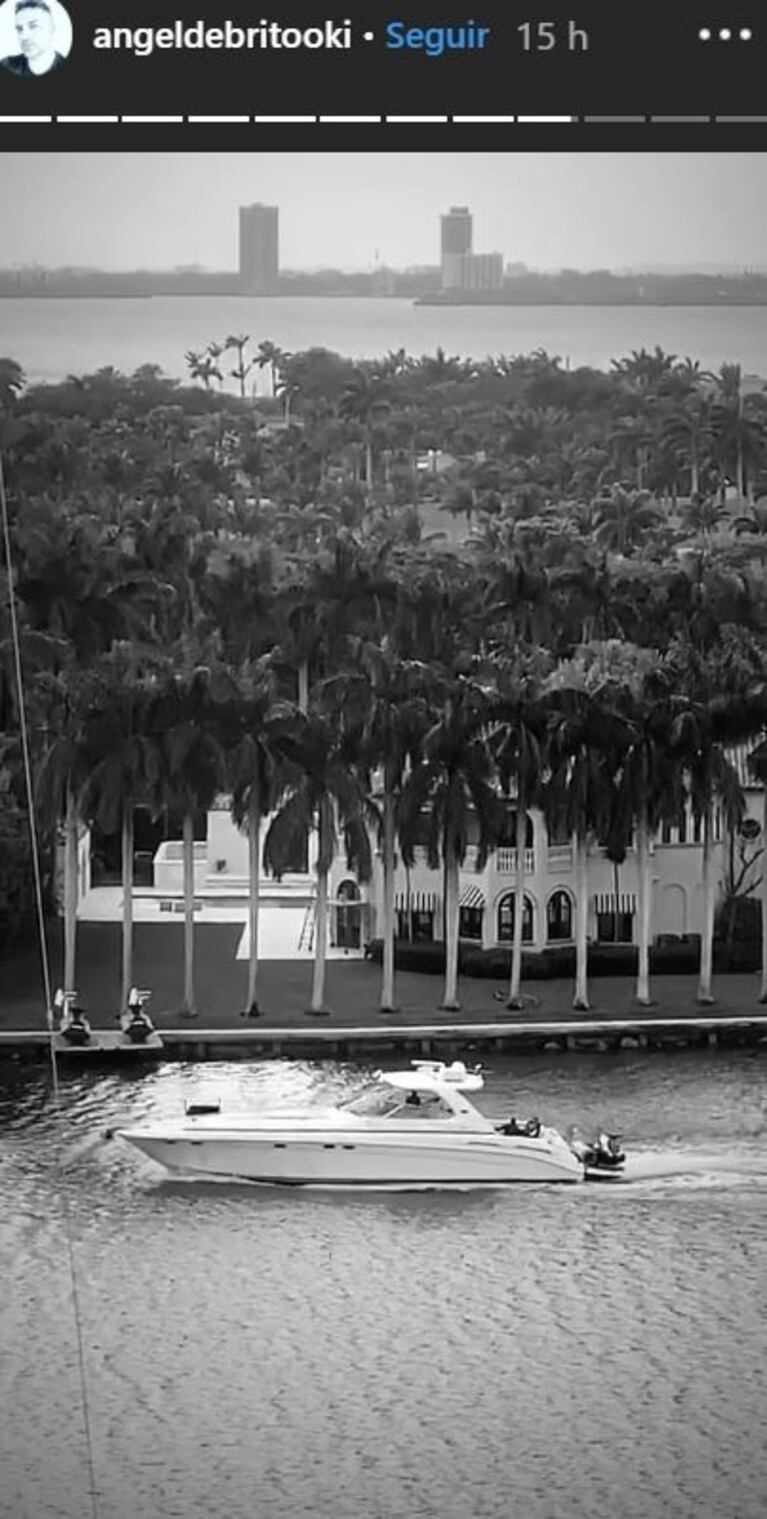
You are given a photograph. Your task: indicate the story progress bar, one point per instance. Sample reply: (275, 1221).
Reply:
(351, 120)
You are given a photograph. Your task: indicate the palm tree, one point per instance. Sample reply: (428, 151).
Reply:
(121, 762)
(214, 352)
(190, 772)
(377, 701)
(698, 742)
(61, 777)
(623, 519)
(201, 367)
(239, 344)
(452, 783)
(256, 731)
(322, 792)
(647, 784)
(687, 431)
(271, 357)
(365, 399)
(584, 745)
(757, 764)
(740, 430)
(518, 747)
(11, 383)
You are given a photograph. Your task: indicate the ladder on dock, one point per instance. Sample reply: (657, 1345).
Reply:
(306, 936)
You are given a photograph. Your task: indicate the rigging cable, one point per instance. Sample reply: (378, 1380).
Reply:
(24, 734)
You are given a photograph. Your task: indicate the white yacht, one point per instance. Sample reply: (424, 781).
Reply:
(405, 1129)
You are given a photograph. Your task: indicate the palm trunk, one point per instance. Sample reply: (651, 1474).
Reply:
(694, 470)
(254, 828)
(763, 993)
(387, 986)
(320, 942)
(127, 874)
(515, 996)
(450, 1003)
(581, 998)
(707, 936)
(740, 462)
(303, 686)
(368, 466)
(70, 890)
(189, 1009)
(643, 903)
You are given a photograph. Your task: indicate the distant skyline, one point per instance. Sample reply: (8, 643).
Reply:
(548, 210)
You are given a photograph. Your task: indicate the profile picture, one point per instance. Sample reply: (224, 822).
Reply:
(35, 36)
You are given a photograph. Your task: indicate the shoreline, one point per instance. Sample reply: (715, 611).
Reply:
(402, 1042)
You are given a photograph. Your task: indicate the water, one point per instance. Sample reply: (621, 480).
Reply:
(584, 1352)
(54, 338)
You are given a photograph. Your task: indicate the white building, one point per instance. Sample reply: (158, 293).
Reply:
(486, 897)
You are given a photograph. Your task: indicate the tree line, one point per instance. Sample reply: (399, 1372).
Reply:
(222, 594)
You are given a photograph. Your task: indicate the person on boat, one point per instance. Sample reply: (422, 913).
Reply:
(413, 1100)
(531, 1129)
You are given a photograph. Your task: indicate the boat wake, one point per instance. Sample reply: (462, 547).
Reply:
(660, 1169)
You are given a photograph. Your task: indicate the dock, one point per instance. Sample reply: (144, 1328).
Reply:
(401, 1040)
(109, 1044)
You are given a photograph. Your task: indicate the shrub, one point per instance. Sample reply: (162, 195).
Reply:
(671, 956)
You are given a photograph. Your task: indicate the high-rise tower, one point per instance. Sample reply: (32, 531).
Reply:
(259, 249)
(456, 242)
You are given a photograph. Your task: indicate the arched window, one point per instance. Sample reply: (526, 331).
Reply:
(559, 917)
(506, 920)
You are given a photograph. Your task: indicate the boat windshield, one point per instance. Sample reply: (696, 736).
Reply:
(373, 1102)
(389, 1102)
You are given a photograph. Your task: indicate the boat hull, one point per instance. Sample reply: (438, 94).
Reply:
(296, 1160)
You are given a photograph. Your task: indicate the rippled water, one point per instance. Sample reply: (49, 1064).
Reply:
(54, 338)
(259, 1354)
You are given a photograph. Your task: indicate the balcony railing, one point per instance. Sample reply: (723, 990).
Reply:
(506, 861)
(560, 856)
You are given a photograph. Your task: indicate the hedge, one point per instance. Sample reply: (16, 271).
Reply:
(671, 957)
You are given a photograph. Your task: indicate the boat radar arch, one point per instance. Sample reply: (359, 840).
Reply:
(428, 1074)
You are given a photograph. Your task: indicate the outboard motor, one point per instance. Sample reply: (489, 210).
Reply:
(608, 1152)
(602, 1153)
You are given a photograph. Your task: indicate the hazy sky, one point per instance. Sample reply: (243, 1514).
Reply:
(122, 210)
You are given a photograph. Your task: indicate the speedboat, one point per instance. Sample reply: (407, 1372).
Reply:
(404, 1129)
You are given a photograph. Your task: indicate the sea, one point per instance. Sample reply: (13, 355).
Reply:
(55, 338)
(586, 1352)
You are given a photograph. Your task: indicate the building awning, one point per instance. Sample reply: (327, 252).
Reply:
(416, 901)
(471, 896)
(606, 902)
